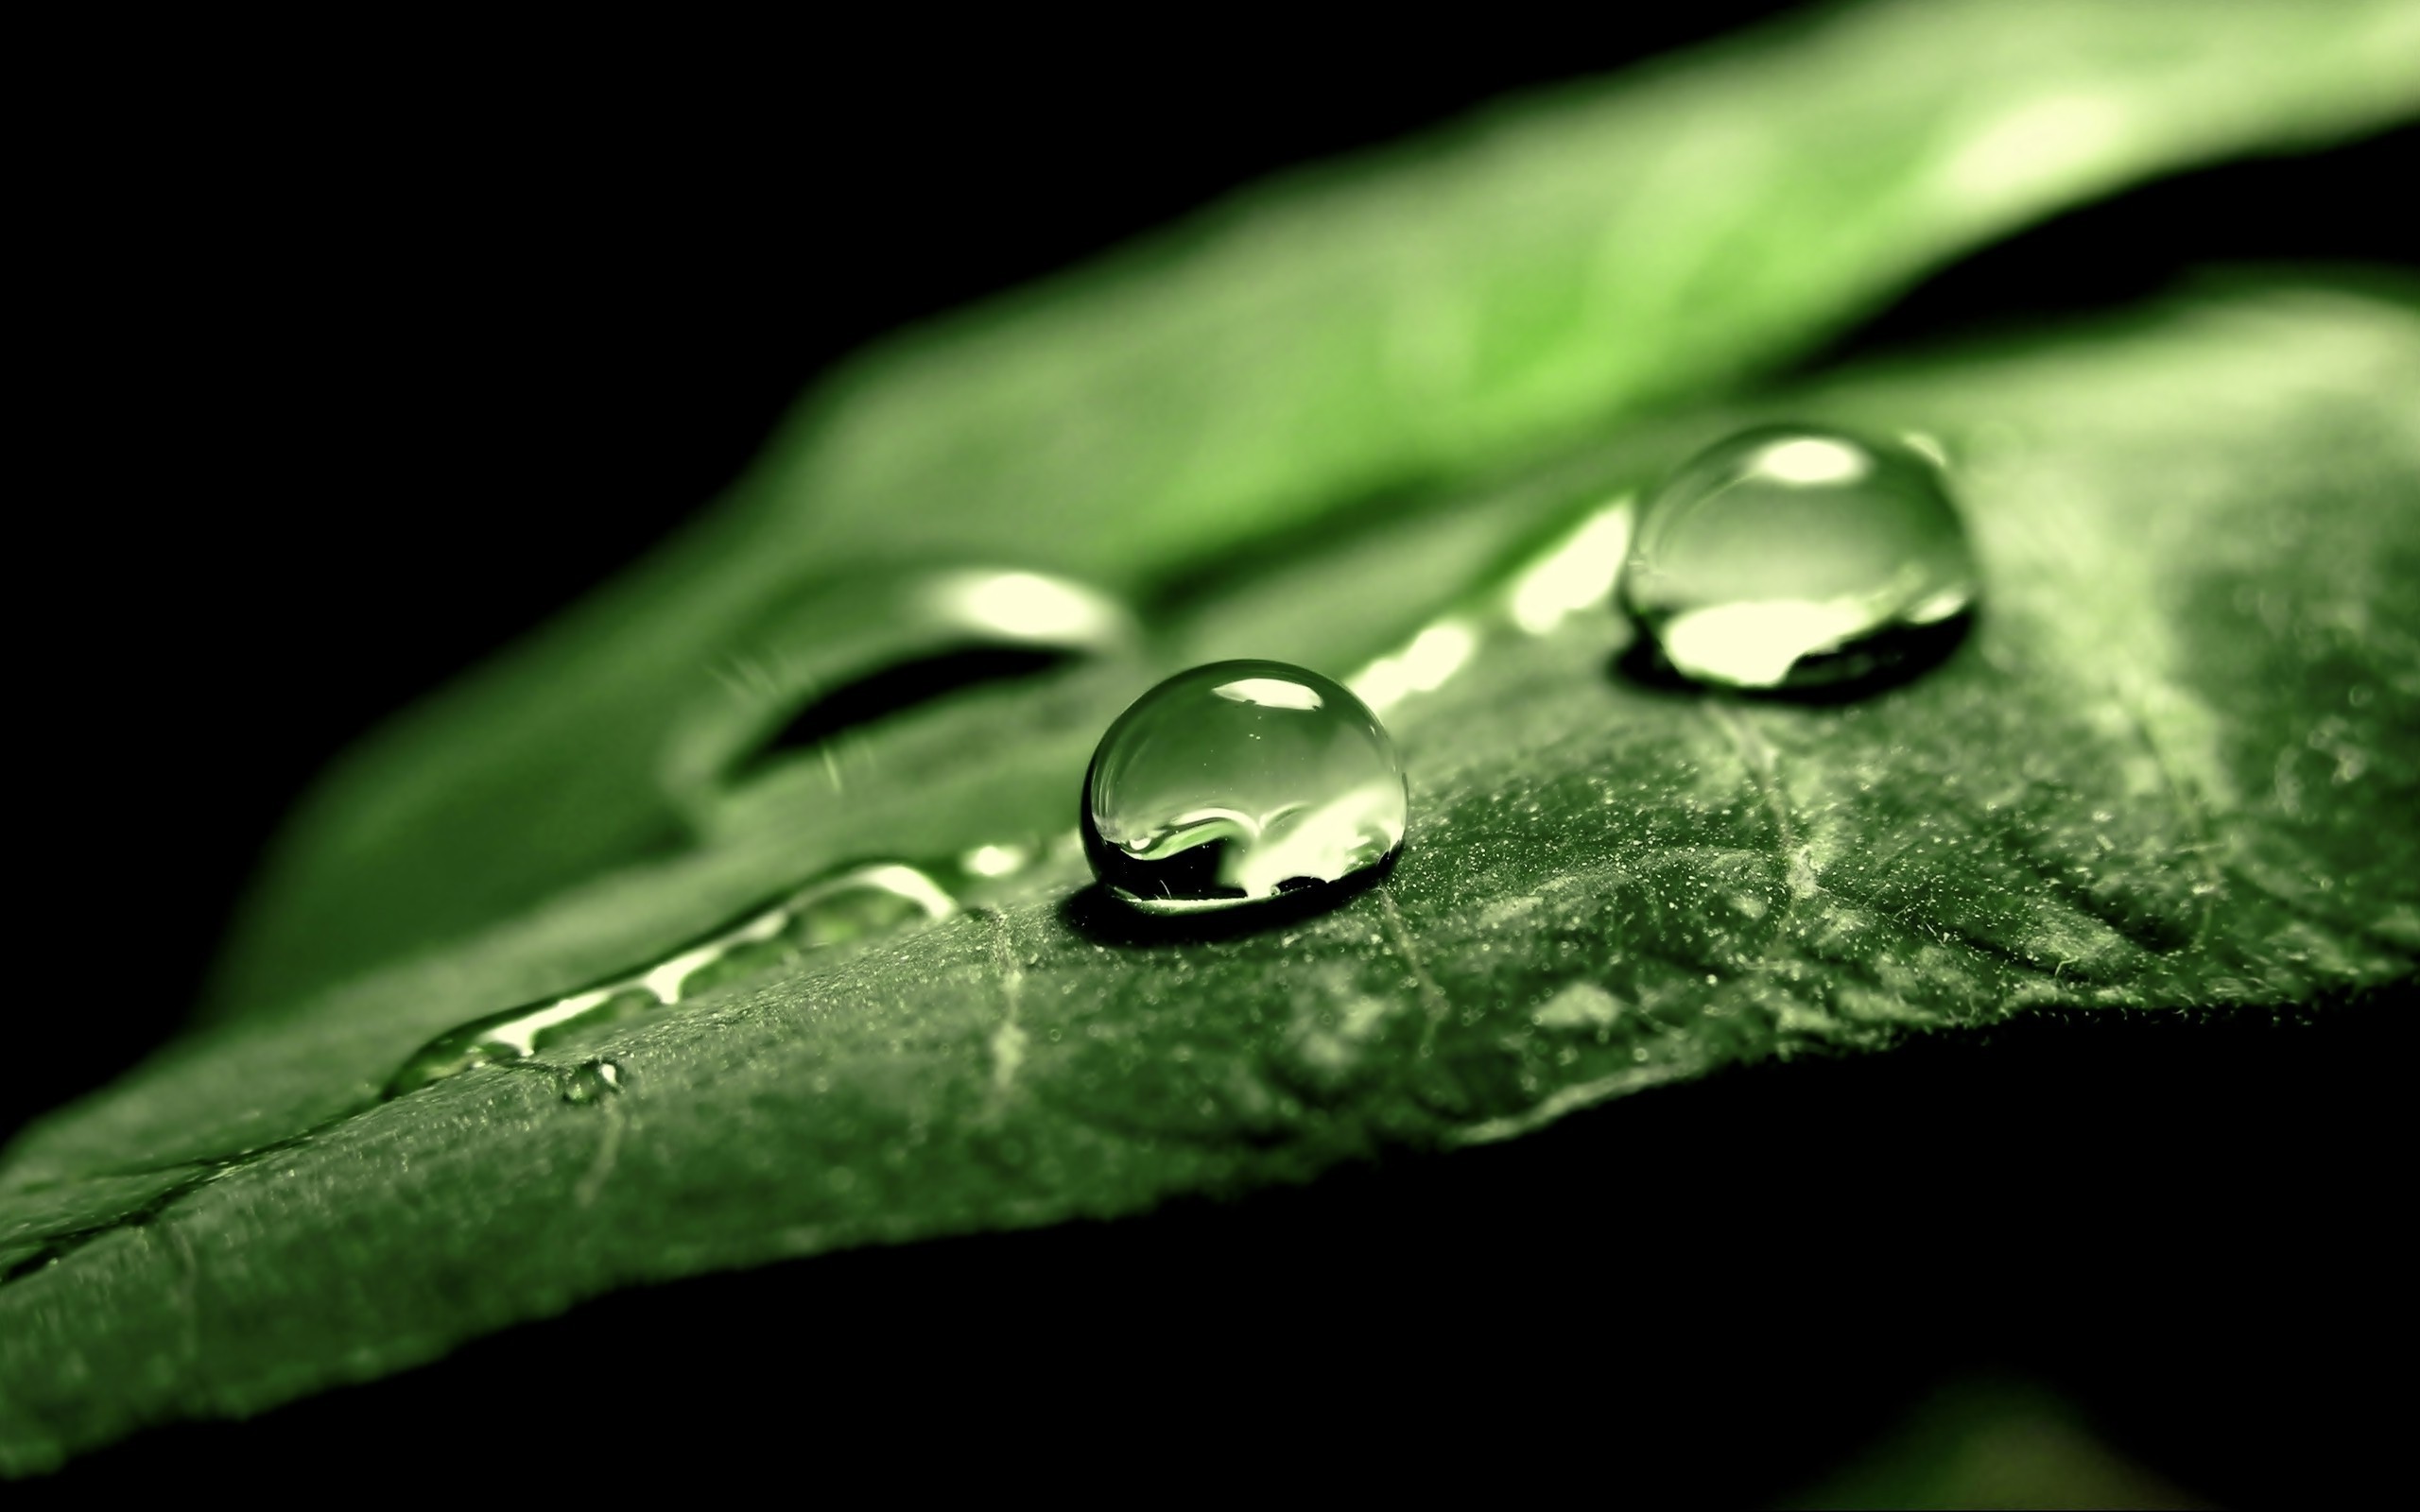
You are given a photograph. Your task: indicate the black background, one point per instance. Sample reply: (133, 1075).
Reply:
(356, 356)
(353, 364)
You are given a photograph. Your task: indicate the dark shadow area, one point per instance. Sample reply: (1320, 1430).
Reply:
(2318, 208)
(1874, 665)
(2183, 1222)
(1100, 918)
(895, 689)
(350, 375)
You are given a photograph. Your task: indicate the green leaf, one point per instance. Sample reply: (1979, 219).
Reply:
(2174, 765)
(1992, 1443)
(1349, 341)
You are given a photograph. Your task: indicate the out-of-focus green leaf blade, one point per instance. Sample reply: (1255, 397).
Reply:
(1359, 332)
(1992, 1443)
(2175, 765)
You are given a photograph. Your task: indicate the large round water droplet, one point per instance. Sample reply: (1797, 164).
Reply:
(1793, 555)
(1238, 781)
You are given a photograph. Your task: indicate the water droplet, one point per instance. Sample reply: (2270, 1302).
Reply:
(857, 652)
(518, 1033)
(593, 1082)
(850, 904)
(1578, 571)
(1792, 556)
(1426, 666)
(996, 860)
(1238, 781)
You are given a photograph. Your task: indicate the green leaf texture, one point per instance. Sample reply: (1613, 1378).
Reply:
(1339, 344)
(2174, 764)
(1334, 420)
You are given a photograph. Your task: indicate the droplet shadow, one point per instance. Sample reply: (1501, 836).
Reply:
(1874, 666)
(1097, 914)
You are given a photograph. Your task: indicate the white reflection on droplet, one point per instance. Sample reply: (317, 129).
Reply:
(1755, 644)
(1269, 693)
(1939, 606)
(899, 880)
(1325, 841)
(995, 860)
(1434, 655)
(1577, 572)
(667, 980)
(1811, 460)
(1928, 446)
(1028, 607)
(520, 1034)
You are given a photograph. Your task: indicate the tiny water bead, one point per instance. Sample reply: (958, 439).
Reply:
(593, 1082)
(1237, 781)
(1795, 556)
(852, 903)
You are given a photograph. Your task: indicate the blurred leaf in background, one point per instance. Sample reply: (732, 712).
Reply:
(1994, 1444)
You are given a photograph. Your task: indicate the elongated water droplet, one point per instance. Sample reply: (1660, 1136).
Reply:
(1793, 555)
(1238, 781)
(1577, 571)
(516, 1034)
(852, 903)
(857, 651)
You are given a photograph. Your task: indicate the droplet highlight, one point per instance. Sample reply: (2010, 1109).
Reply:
(1576, 573)
(1240, 782)
(1799, 556)
(1427, 664)
(853, 903)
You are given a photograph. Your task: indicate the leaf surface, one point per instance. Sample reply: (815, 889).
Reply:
(2174, 766)
(1338, 420)
(1352, 341)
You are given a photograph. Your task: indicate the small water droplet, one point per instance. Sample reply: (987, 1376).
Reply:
(1238, 781)
(1794, 556)
(850, 904)
(1425, 665)
(996, 860)
(594, 1081)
